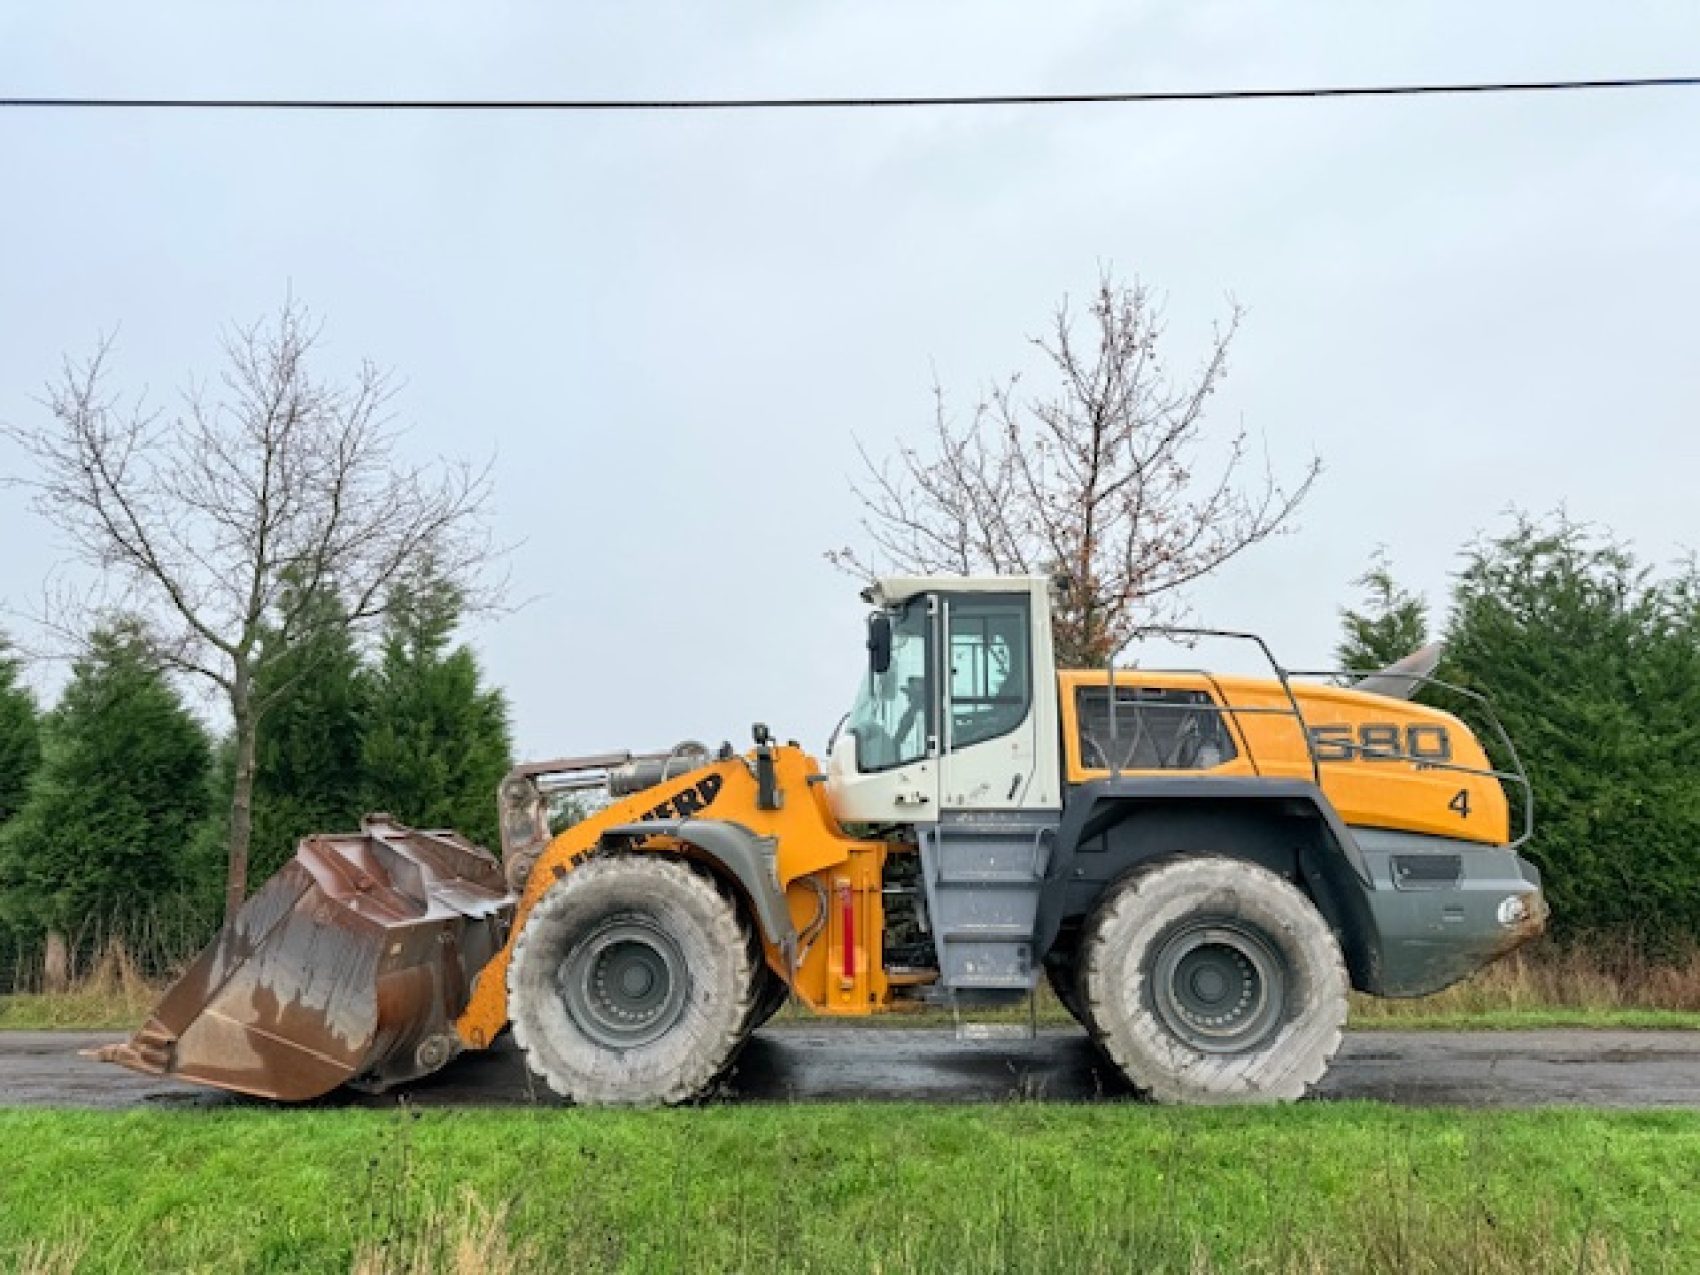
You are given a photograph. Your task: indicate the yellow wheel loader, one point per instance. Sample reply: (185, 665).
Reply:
(1201, 865)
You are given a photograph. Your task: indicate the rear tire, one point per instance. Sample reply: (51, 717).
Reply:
(631, 983)
(1212, 980)
(1064, 977)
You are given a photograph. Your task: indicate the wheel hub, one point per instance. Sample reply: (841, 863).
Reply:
(1219, 986)
(624, 984)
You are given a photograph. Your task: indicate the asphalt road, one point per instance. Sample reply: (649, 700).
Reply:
(812, 1064)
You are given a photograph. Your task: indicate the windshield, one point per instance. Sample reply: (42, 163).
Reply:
(891, 719)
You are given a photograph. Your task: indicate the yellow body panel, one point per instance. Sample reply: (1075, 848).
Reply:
(1369, 790)
(832, 880)
(818, 866)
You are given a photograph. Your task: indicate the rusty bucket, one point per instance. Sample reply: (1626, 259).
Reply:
(347, 967)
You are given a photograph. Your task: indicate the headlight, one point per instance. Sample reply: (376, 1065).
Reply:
(1513, 910)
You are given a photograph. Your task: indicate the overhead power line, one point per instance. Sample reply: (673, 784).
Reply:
(838, 103)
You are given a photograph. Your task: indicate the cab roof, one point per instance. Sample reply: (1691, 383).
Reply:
(889, 591)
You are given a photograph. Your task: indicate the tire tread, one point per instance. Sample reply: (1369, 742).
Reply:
(708, 1057)
(1116, 912)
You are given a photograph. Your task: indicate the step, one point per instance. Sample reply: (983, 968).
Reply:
(988, 932)
(1019, 857)
(988, 876)
(983, 882)
(992, 982)
(972, 1028)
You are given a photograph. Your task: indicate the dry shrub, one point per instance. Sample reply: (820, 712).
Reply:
(112, 991)
(158, 943)
(471, 1240)
(1602, 975)
(116, 974)
(113, 987)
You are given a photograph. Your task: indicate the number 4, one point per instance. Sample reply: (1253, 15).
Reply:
(1461, 803)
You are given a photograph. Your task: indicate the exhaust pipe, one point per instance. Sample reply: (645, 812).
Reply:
(1400, 679)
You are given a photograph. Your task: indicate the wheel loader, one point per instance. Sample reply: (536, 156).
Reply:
(1201, 865)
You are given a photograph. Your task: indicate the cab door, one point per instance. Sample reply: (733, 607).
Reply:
(994, 754)
(883, 766)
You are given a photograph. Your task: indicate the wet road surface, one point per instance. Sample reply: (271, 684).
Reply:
(805, 1064)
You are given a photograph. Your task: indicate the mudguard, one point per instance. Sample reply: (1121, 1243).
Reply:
(749, 858)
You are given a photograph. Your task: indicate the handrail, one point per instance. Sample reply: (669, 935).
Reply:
(1517, 775)
(1281, 674)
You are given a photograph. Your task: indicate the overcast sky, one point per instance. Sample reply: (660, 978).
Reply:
(669, 329)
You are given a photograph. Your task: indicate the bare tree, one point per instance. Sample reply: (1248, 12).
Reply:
(228, 523)
(1104, 480)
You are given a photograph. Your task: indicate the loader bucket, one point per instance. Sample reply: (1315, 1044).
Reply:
(347, 967)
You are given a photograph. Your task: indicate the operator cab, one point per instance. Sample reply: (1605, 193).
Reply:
(953, 742)
(957, 707)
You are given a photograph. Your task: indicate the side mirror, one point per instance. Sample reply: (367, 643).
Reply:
(879, 642)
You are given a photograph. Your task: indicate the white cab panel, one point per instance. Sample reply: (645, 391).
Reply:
(987, 739)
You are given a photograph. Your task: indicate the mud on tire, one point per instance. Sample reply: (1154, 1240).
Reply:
(631, 983)
(1212, 980)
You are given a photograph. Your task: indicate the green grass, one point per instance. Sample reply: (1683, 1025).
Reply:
(1529, 1018)
(112, 1011)
(91, 1010)
(1021, 1187)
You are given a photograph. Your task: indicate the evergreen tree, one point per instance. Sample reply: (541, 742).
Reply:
(436, 742)
(308, 764)
(1391, 624)
(117, 801)
(203, 865)
(1594, 667)
(20, 737)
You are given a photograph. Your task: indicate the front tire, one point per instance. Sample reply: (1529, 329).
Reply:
(772, 995)
(631, 983)
(1212, 980)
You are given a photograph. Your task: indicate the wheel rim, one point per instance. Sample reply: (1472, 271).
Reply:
(624, 984)
(1220, 986)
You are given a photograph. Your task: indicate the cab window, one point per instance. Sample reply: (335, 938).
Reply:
(1157, 728)
(990, 685)
(892, 716)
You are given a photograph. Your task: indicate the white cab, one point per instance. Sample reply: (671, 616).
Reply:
(965, 716)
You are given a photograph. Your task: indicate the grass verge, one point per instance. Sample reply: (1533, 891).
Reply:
(99, 1011)
(1603, 985)
(1368, 1014)
(1598, 987)
(80, 1009)
(1013, 1188)
(1534, 1018)
(112, 994)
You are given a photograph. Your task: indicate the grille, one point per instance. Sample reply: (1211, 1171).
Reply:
(1427, 871)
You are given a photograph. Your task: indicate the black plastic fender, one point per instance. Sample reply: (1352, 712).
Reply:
(749, 859)
(1330, 865)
